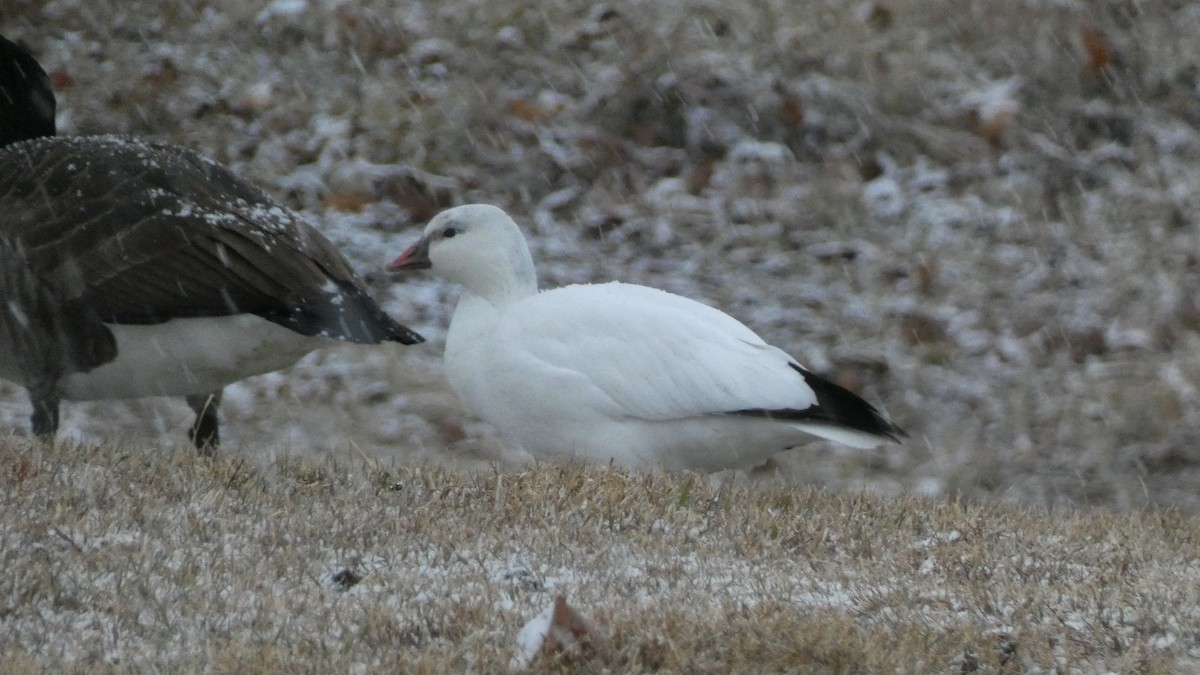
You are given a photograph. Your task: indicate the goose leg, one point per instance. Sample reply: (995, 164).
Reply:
(44, 420)
(205, 432)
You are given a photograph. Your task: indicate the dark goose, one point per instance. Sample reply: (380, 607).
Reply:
(130, 268)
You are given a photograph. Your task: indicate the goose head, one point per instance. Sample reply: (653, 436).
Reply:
(478, 246)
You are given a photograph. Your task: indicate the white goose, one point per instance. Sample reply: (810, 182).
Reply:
(617, 372)
(130, 268)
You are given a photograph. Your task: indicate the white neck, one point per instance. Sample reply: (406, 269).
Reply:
(504, 281)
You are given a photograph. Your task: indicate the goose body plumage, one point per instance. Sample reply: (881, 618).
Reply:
(620, 372)
(132, 268)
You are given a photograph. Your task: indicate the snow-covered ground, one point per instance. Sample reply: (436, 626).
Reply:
(981, 215)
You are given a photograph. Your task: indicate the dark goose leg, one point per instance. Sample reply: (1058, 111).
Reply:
(205, 433)
(44, 397)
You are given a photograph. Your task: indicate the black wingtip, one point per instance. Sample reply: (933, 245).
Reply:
(840, 406)
(26, 96)
(347, 313)
(361, 319)
(836, 407)
(398, 332)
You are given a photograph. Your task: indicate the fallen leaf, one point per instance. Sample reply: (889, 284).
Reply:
(792, 111)
(700, 176)
(1099, 53)
(347, 202)
(880, 16)
(524, 110)
(61, 79)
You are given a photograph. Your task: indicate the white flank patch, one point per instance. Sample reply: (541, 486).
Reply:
(531, 638)
(190, 356)
(558, 628)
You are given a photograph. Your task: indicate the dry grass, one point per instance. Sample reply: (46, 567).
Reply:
(132, 559)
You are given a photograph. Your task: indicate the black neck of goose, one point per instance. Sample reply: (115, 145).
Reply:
(26, 96)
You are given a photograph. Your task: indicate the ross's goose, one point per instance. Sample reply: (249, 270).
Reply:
(130, 268)
(618, 372)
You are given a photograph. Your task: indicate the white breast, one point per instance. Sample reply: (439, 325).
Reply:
(190, 356)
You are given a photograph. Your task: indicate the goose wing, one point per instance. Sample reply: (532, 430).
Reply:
(144, 232)
(652, 354)
(638, 352)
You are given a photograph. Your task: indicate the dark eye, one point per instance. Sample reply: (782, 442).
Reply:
(449, 232)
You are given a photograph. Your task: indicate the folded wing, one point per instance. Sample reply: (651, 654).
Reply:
(193, 240)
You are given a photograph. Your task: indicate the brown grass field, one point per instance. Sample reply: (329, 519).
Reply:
(982, 215)
(132, 560)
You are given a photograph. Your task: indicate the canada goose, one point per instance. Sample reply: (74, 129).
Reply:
(617, 372)
(131, 268)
